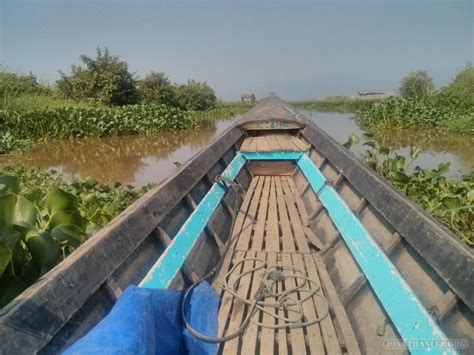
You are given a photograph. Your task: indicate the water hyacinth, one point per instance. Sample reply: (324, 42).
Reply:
(449, 201)
(44, 218)
(73, 122)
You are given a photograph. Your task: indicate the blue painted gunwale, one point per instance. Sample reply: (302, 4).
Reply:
(272, 155)
(171, 261)
(408, 315)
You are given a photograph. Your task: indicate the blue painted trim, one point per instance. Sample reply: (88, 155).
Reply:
(272, 155)
(169, 263)
(401, 304)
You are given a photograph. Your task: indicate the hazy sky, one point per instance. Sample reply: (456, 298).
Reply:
(298, 49)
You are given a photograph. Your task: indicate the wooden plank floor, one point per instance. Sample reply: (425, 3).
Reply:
(281, 142)
(271, 226)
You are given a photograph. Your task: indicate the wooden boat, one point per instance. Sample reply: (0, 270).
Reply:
(387, 270)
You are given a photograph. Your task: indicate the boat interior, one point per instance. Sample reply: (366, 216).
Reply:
(275, 216)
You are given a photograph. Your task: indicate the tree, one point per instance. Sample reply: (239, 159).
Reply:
(417, 84)
(156, 88)
(105, 79)
(195, 96)
(463, 83)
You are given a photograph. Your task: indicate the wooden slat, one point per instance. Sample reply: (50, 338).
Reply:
(282, 338)
(253, 145)
(244, 238)
(313, 332)
(246, 144)
(302, 146)
(238, 307)
(285, 142)
(274, 144)
(267, 336)
(257, 242)
(249, 338)
(298, 231)
(313, 239)
(331, 341)
(337, 307)
(241, 216)
(263, 145)
(299, 201)
(295, 143)
(227, 299)
(288, 242)
(298, 344)
(272, 242)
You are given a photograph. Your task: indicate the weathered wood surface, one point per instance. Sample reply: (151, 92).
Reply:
(451, 259)
(277, 237)
(278, 142)
(272, 113)
(40, 312)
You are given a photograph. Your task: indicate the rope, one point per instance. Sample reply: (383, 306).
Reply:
(286, 302)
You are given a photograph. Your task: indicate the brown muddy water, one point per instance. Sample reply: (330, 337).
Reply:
(138, 160)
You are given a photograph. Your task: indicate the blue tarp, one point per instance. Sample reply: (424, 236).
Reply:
(148, 321)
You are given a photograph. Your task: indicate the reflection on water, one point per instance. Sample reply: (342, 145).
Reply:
(436, 145)
(139, 160)
(135, 160)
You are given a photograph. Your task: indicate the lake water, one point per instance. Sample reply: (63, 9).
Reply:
(138, 160)
(436, 146)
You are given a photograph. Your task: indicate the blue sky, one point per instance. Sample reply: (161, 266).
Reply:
(298, 49)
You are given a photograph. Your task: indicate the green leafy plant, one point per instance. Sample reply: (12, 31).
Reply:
(44, 218)
(72, 122)
(451, 108)
(449, 201)
(8, 142)
(452, 112)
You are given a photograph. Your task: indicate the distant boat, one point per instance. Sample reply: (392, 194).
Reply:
(387, 270)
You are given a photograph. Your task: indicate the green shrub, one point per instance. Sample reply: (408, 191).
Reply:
(417, 84)
(195, 96)
(155, 88)
(105, 79)
(12, 85)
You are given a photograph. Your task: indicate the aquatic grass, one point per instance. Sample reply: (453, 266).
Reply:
(222, 111)
(336, 104)
(37, 101)
(44, 218)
